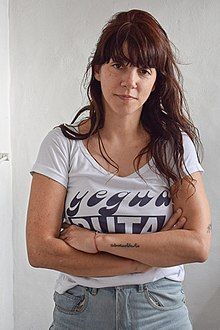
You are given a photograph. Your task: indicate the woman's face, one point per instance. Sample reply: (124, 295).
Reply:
(125, 88)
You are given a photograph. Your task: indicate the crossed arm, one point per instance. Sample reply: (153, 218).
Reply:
(189, 244)
(161, 249)
(48, 249)
(169, 248)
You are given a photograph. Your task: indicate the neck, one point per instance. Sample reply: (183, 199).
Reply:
(124, 130)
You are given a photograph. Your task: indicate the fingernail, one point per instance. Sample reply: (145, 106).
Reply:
(179, 210)
(183, 219)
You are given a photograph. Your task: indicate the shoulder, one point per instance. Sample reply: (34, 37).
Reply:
(82, 127)
(55, 137)
(58, 133)
(55, 141)
(185, 137)
(188, 144)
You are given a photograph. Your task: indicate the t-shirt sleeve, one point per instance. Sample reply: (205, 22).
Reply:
(53, 157)
(190, 157)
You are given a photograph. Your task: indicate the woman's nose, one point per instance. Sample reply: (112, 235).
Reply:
(129, 78)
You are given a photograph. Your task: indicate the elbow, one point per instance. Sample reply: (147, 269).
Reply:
(202, 251)
(33, 263)
(203, 255)
(35, 254)
(33, 258)
(40, 253)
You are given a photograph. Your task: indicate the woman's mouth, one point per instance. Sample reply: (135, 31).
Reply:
(126, 97)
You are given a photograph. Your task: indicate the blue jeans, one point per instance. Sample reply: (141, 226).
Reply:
(149, 306)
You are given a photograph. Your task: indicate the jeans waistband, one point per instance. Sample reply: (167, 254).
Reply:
(138, 287)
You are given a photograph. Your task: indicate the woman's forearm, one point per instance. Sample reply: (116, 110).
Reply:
(161, 249)
(56, 254)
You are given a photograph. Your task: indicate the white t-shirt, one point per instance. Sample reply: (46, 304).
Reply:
(99, 201)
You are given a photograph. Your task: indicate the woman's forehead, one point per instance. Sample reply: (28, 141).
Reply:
(122, 53)
(128, 54)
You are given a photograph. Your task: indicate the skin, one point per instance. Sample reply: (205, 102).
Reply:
(84, 240)
(122, 127)
(188, 243)
(122, 117)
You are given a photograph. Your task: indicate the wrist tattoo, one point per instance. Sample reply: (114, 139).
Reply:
(209, 228)
(125, 245)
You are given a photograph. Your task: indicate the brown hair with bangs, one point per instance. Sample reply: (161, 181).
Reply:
(165, 113)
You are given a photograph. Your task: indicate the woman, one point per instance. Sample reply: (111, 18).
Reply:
(130, 167)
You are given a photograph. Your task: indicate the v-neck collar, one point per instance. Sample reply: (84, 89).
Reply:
(94, 162)
(146, 167)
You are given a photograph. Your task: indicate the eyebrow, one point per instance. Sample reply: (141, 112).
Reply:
(129, 63)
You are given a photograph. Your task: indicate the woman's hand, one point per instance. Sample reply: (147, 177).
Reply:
(79, 238)
(83, 239)
(176, 221)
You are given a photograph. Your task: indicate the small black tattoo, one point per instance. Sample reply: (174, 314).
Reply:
(125, 245)
(209, 228)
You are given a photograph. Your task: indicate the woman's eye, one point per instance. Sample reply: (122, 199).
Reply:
(117, 65)
(145, 72)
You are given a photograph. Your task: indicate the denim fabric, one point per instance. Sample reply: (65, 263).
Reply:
(150, 306)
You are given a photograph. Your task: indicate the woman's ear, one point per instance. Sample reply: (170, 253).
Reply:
(97, 72)
(153, 88)
(155, 82)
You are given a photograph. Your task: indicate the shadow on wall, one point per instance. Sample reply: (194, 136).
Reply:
(207, 318)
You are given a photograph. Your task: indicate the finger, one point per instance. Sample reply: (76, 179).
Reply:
(172, 220)
(180, 223)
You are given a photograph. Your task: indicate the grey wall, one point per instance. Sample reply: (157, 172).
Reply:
(50, 41)
(6, 255)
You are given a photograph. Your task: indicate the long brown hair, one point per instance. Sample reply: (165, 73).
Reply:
(165, 113)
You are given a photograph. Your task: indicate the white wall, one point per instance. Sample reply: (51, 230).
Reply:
(6, 256)
(50, 41)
